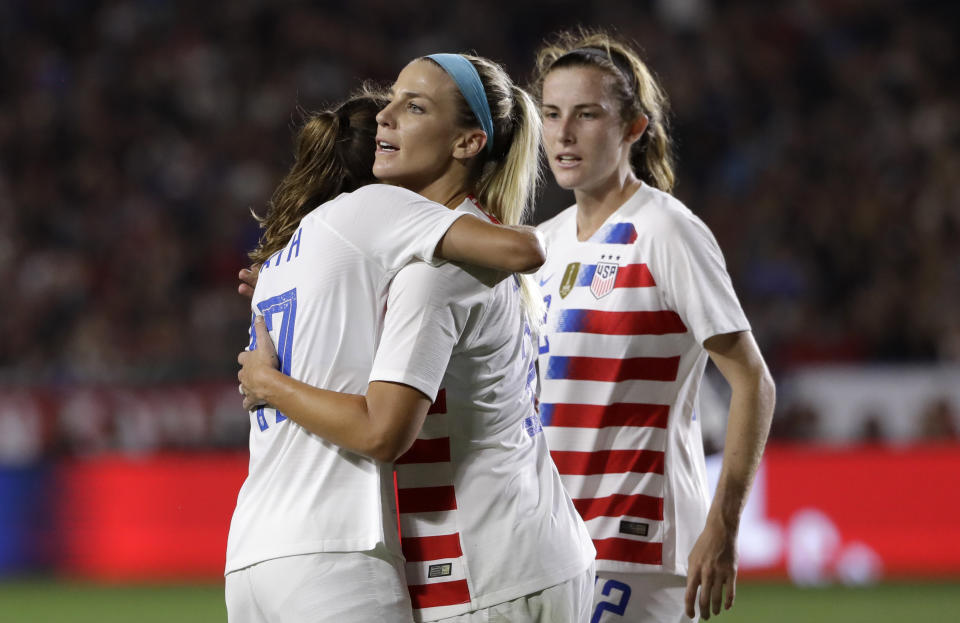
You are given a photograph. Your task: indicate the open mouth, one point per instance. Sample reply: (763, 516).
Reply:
(567, 159)
(386, 147)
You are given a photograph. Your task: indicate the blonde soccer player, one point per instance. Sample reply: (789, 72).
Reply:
(488, 532)
(313, 536)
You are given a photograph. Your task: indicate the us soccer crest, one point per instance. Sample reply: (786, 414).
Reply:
(604, 277)
(569, 278)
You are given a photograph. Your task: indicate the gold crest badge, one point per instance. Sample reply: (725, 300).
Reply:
(569, 278)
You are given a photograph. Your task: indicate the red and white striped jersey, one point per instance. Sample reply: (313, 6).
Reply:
(621, 362)
(484, 517)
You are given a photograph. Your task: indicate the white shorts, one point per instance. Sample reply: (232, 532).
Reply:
(567, 602)
(639, 598)
(341, 587)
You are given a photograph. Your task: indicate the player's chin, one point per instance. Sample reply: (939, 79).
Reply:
(566, 179)
(386, 167)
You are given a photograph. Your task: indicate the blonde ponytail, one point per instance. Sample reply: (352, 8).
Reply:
(505, 181)
(513, 185)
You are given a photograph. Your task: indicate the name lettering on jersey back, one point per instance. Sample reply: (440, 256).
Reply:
(292, 251)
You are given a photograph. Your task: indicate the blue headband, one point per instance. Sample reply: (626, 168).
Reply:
(468, 81)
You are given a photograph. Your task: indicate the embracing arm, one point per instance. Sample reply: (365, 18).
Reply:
(713, 560)
(382, 424)
(510, 248)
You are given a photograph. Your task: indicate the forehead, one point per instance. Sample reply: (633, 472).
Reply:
(426, 78)
(578, 84)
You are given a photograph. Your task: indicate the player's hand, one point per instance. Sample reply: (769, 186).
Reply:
(248, 280)
(254, 364)
(712, 566)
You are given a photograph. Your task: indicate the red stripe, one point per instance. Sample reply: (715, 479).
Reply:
(424, 548)
(439, 594)
(440, 404)
(606, 462)
(427, 451)
(427, 499)
(645, 506)
(617, 414)
(614, 370)
(633, 323)
(634, 276)
(396, 503)
(626, 550)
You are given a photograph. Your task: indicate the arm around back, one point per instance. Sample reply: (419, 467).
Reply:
(511, 248)
(382, 424)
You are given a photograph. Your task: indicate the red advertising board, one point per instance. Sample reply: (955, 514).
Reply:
(162, 517)
(816, 515)
(854, 514)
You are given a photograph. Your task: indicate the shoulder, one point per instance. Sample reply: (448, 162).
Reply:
(384, 192)
(444, 285)
(661, 216)
(385, 206)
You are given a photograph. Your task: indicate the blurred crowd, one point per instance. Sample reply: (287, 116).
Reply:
(819, 139)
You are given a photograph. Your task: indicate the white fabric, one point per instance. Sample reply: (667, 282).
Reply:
(341, 587)
(323, 298)
(567, 602)
(621, 363)
(640, 598)
(484, 516)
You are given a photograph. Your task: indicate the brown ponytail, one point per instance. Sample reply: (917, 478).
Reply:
(333, 153)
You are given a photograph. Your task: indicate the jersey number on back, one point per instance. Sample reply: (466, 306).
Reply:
(284, 305)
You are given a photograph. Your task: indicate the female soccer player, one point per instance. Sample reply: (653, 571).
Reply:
(487, 529)
(638, 296)
(312, 531)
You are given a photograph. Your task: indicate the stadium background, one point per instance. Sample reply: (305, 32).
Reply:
(819, 139)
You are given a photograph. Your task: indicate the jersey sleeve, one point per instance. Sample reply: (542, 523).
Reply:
(421, 328)
(393, 226)
(693, 277)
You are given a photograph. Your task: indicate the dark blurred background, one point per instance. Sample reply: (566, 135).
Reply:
(819, 140)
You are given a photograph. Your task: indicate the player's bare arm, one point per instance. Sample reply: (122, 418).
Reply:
(382, 425)
(508, 248)
(713, 560)
(514, 249)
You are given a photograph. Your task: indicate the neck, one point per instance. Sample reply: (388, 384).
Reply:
(450, 189)
(596, 204)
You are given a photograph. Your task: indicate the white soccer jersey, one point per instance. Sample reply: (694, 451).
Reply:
(621, 363)
(483, 515)
(323, 298)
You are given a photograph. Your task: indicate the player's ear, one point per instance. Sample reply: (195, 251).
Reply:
(469, 143)
(636, 129)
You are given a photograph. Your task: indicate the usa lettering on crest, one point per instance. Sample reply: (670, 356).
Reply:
(603, 279)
